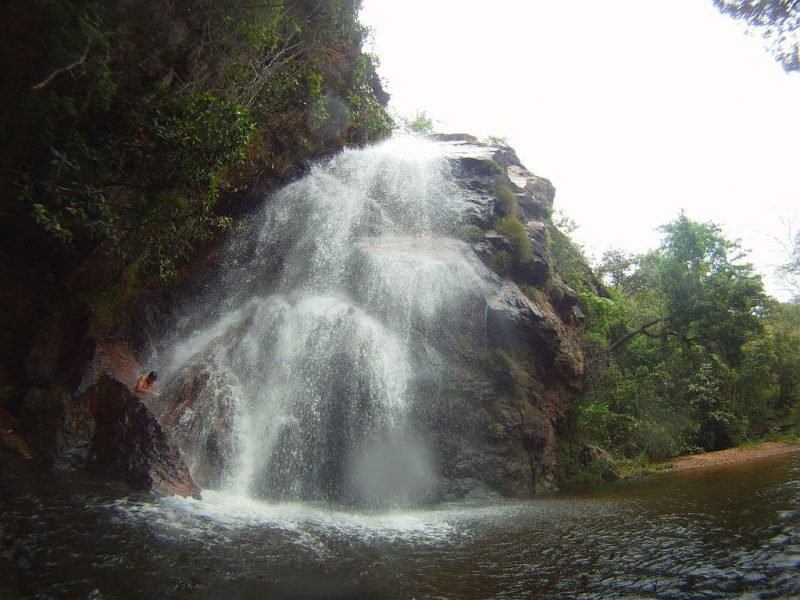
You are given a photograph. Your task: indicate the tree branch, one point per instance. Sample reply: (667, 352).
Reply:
(82, 59)
(642, 330)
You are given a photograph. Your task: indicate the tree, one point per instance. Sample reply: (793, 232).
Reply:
(421, 123)
(777, 22)
(710, 298)
(615, 267)
(686, 361)
(783, 326)
(790, 270)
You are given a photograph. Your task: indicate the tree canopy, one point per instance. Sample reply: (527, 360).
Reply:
(688, 352)
(777, 22)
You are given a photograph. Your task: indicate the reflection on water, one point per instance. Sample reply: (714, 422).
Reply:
(710, 534)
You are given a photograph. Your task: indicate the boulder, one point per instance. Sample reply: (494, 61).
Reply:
(532, 271)
(454, 137)
(596, 460)
(472, 166)
(57, 427)
(129, 444)
(562, 297)
(106, 429)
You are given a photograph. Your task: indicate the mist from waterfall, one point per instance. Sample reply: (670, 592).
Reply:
(331, 303)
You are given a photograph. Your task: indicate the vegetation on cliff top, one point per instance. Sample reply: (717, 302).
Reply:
(133, 130)
(132, 118)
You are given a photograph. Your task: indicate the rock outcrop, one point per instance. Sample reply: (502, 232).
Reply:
(129, 444)
(102, 426)
(490, 382)
(512, 393)
(595, 460)
(198, 418)
(494, 369)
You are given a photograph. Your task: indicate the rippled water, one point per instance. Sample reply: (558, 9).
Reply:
(732, 532)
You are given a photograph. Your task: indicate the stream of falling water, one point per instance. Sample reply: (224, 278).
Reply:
(310, 335)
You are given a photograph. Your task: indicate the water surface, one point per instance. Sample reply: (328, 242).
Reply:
(724, 533)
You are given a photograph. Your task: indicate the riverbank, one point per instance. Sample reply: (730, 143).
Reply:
(720, 458)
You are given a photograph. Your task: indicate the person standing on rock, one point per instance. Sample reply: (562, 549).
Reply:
(147, 384)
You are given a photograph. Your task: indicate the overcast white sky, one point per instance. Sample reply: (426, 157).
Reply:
(634, 109)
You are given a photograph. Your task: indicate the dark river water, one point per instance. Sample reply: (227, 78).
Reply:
(724, 533)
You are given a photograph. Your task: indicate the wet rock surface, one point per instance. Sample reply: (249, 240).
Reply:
(492, 373)
(101, 425)
(513, 405)
(129, 443)
(199, 419)
(10, 439)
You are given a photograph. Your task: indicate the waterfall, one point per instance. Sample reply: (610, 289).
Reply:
(306, 370)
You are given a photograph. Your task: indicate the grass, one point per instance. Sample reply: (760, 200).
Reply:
(639, 467)
(508, 201)
(791, 436)
(515, 231)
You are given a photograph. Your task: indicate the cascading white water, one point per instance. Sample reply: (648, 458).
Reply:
(310, 341)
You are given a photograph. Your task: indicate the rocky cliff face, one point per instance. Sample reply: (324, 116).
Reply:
(514, 390)
(105, 428)
(492, 373)
(133, 132)
(491, 379)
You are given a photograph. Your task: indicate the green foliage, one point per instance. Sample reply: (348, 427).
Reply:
(470, 233)
(615, 267)
(783, 332)
(127, 145)
(567, 258)
(708, 297)
(369, 119)
(565, 223)
(776, 22)
(496, 140)
(500, 262)
(513, 229)
(605, 318)
(421, 123)
(196, 135)
(595, 418)
(686, 353)
(789, 272)
(759, 383)
(717, 424)
(508, 201)
(572, 467)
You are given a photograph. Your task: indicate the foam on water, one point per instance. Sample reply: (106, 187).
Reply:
(219, 513)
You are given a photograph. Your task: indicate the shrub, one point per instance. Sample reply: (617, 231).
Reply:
(127, 146)
(567, 257)
(516, 233)
(500, 262)
(189, 138)
(508, 201)
(421, 124)
(470, 233)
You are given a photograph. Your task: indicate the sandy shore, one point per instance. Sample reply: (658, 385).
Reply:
(731, 456)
